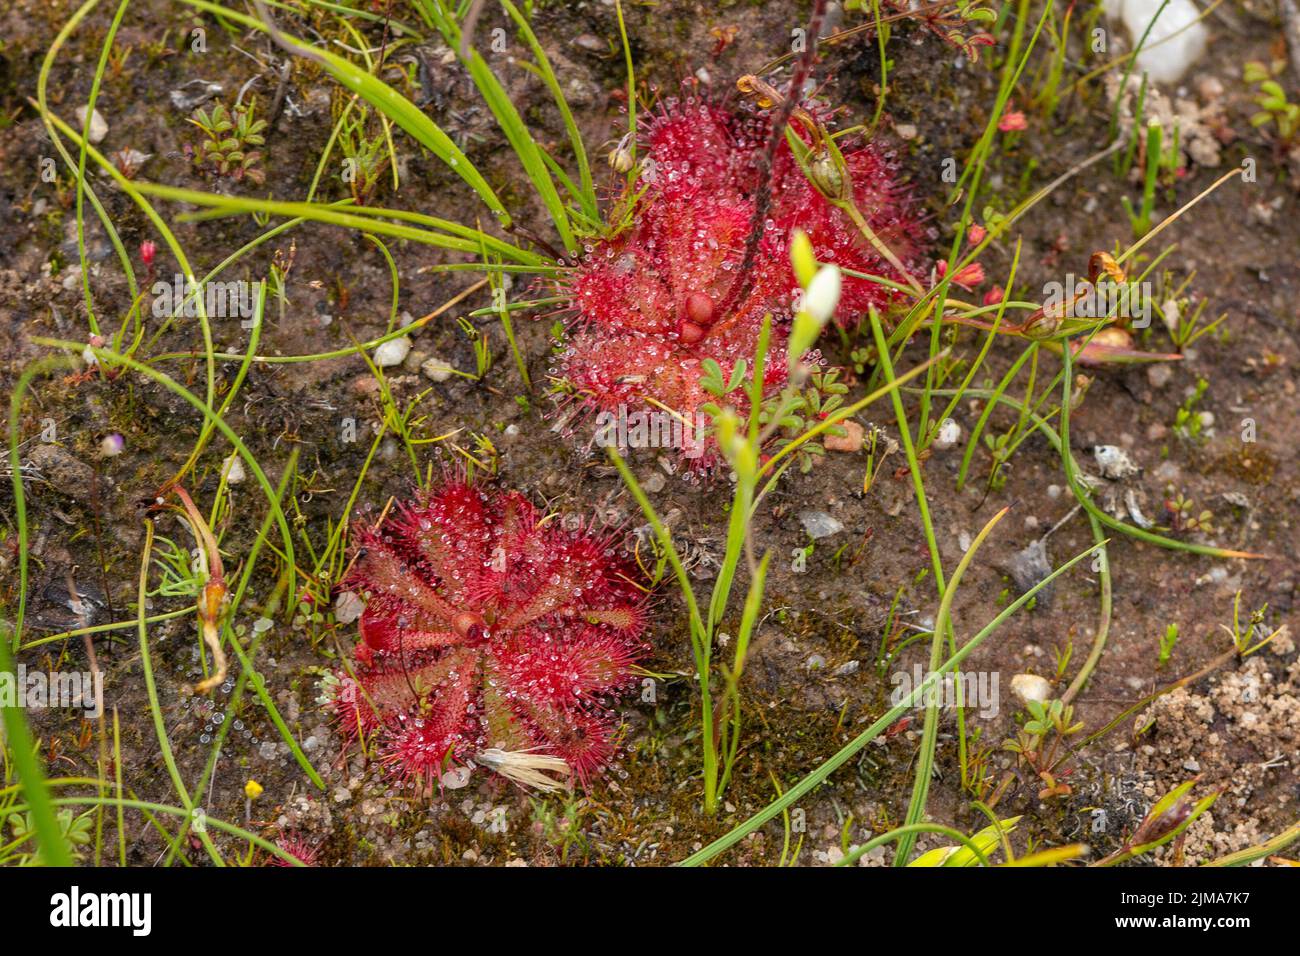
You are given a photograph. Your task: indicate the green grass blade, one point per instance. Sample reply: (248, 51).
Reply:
(49, 835)
(42, 84)
(151, 690)
(463, 239)
(925, 758)
(95, 82)
(818, 776)
(384, 98)
(108, 357)
(508, 118)
(632, 172)
(587, 189)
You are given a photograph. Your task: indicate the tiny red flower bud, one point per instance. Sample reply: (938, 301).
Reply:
(967, 277)
(699, 309)
(970, 276)
(690, 333)
(147, 251)
(1012, 121)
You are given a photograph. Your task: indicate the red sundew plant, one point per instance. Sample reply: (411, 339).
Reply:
(297, 847)
(655, 301)
(492, 635)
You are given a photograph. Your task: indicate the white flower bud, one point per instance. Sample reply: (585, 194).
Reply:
(823, 294)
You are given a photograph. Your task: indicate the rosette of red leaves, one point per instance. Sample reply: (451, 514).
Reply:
(653, 302)
(489, 634)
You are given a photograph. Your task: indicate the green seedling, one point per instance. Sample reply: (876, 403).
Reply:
(1252, 635)
(1167, 643)
(230, 137)
(1275, 109)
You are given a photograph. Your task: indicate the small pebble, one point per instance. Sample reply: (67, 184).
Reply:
(1030, 565)
(233, 470)
(850, 441)
(348, 607)
(65, 472)
(819, 524)
(1114, 462)
(949, 435)
(1030, 687)
(1168, 471)
(392, 352)
(1159, 374)
(436, 370)
(98, 126)
(456, 778)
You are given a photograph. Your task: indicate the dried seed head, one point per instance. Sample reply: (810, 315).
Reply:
(526, 768)
(825, 173)
(1044, 323)
(620, 159)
